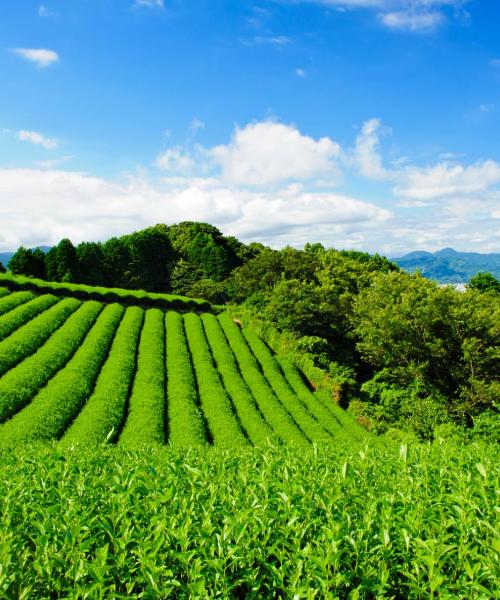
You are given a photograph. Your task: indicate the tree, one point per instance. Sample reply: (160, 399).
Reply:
(91, 263)
(484, 282)
(62, 262)
(29, 262)
(2, 268)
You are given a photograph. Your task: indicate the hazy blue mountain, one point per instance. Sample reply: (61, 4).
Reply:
(6, 256)
(450, 266)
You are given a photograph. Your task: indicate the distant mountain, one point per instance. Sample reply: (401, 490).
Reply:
(448, 265)
(6, 256)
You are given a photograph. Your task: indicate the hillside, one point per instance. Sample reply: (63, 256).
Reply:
(450, 266)
(86, 372)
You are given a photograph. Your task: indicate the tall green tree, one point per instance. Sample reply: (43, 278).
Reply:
(29, 262)
(484, 282)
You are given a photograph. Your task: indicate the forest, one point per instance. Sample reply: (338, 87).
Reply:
(409, 358)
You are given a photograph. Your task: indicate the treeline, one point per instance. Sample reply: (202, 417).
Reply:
(158, 259)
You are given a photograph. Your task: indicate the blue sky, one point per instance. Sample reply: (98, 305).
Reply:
(370, 124)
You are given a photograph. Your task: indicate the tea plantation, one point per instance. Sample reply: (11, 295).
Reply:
(150, 453)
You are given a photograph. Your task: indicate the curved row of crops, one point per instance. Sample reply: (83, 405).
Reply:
(88, 373)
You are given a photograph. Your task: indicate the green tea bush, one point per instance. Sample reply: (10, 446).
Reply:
(25, 312)
(20, 384)
(145, 423)
(349, 521)
(27, 339)
(10, 301)
(252, 421)
(271, 408)
(215, 403)
(186, 425)
(272, 372)
(59, 402)
(101, 418)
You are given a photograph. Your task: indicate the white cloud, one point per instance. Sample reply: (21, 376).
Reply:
(149, 3)
(34, 137)
(300, 72)
(266, 153)
(448, 179)
(271, 40)
(40, 56)
(366, 154)
(486, 108)
(43, 206)
(412, 21)
(410, 15)
(44, 12)
(175, 160)
(495, 62)
(54, 162)
(195, 126)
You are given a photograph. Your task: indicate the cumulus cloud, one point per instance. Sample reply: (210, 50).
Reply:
(175, 160)
(34, 137)
(412, 21)
(40, 56)
(366, 154)
(447, 179)
(267, 153)
(42, 206)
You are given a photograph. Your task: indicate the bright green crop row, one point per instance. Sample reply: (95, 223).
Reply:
(315, 406)
(10, 301)
(27, 339)
(103, 294)
(271, 408)
(346, 522)
(59, 402)
(221, 419)
(145, 424)
(186, 426)
(4, 292)
(104, 412)
(20, 315)
(256, 428)
(308, 424)
(20, 384)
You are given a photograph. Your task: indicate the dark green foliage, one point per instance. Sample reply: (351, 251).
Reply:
(62, 263)
(101, 418)
(436, 350)
(59, 402)
(91, 262)
(29, 262)
(145, 423)
(2, 268)
(485, 282)
(349, 522)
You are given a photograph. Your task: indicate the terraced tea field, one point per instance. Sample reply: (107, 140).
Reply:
(86, 372)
